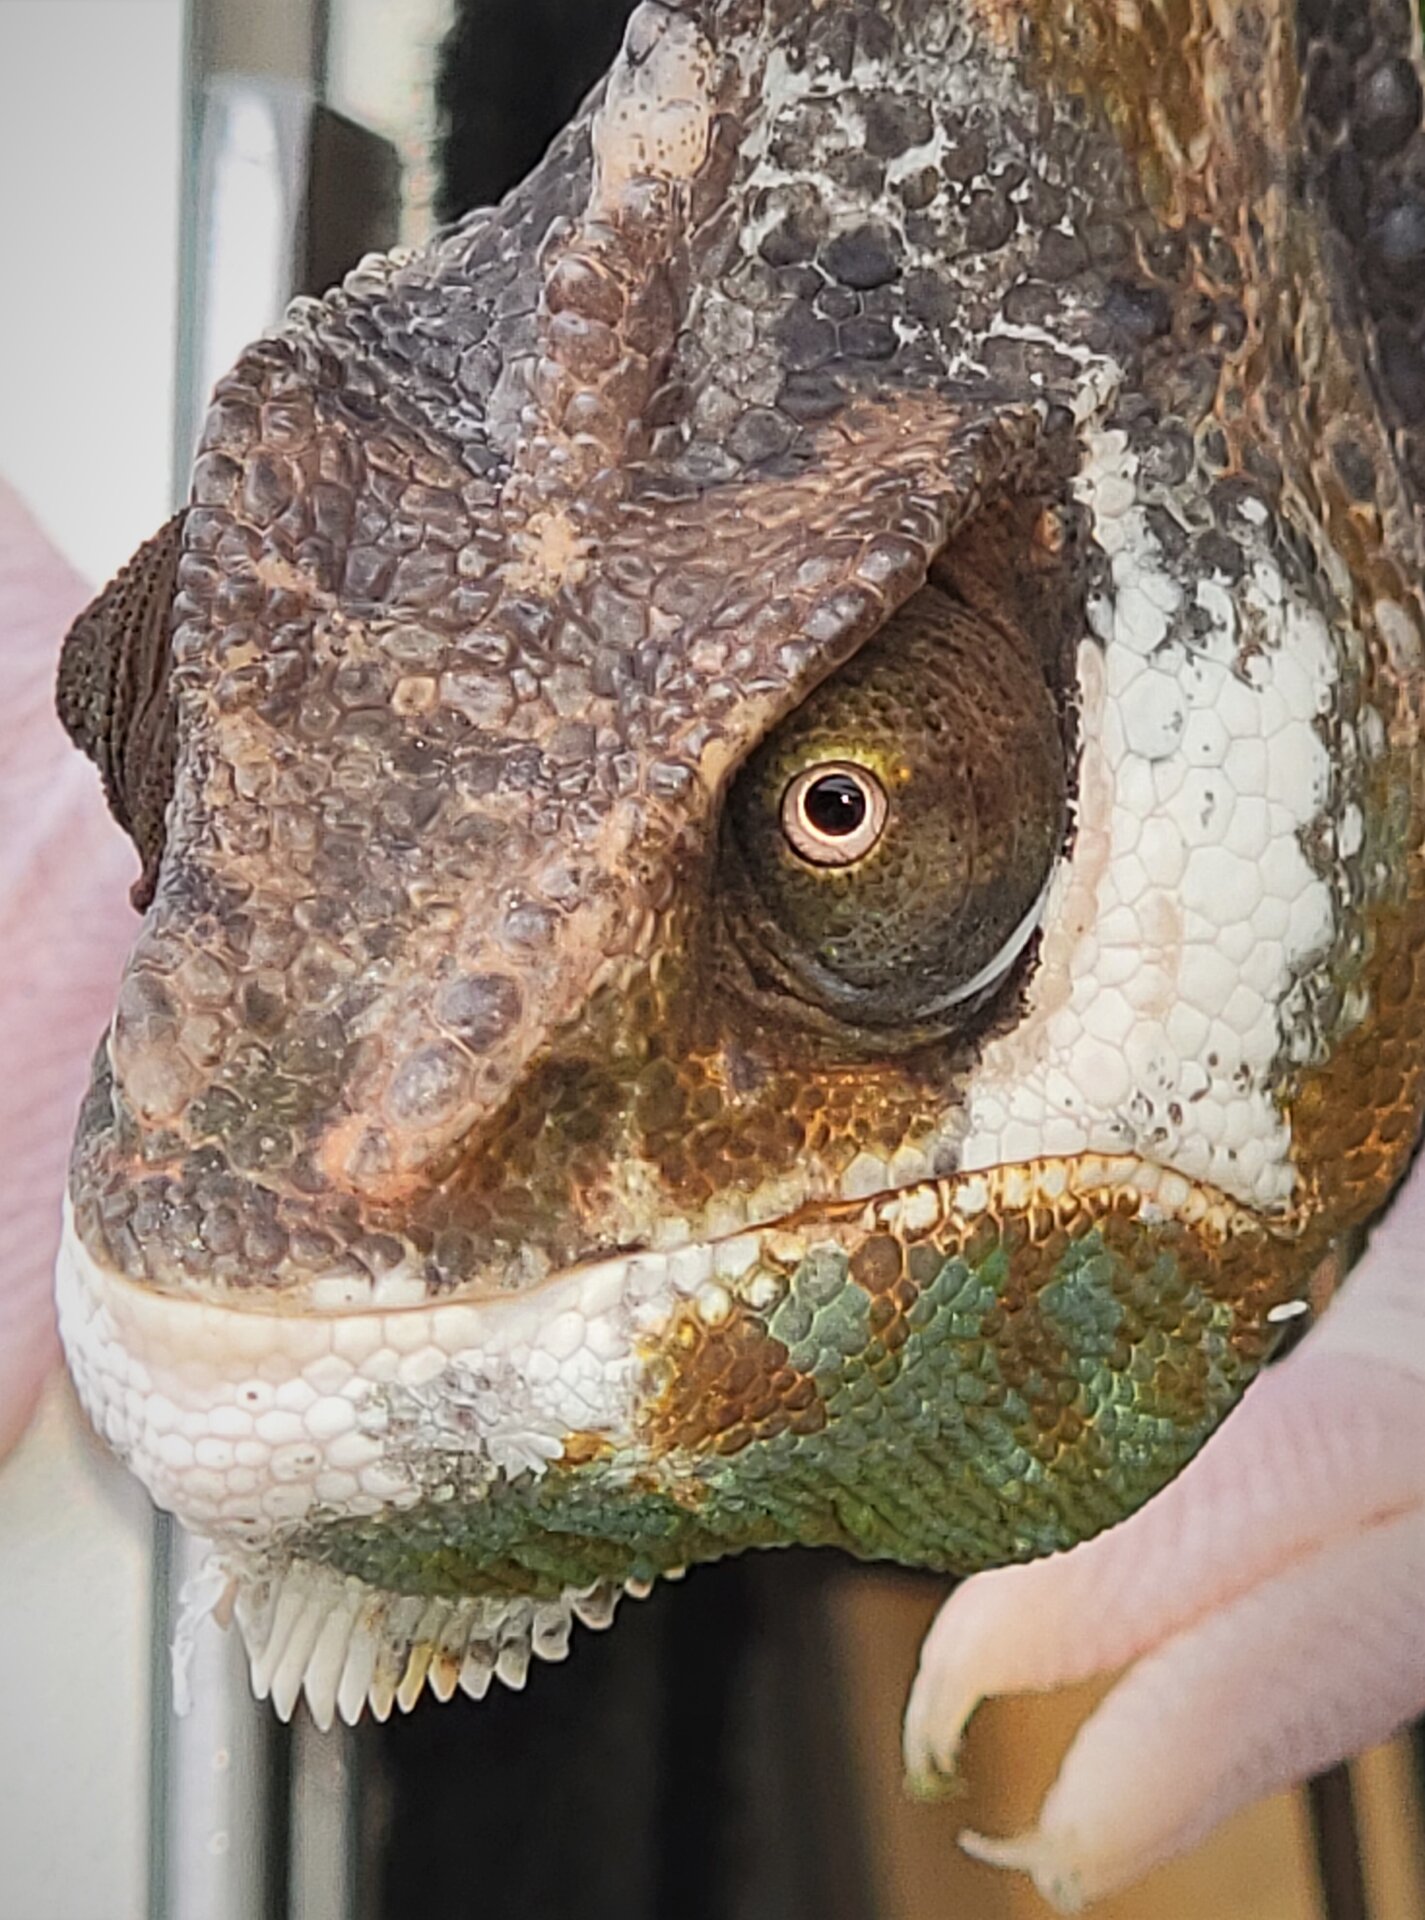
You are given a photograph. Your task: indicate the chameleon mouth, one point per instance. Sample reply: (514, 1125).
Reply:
(247, 1423)
(265, 1431)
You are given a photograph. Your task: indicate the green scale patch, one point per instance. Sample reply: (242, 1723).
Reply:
(1005, 1423)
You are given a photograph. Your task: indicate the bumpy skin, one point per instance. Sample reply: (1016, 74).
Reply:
(477, 1205)
(1266, 1606)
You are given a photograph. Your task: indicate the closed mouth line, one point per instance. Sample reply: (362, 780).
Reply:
(959, 1192)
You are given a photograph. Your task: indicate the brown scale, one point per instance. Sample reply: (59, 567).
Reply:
(728, 1386)
(721, 1388)
(1145, 66)
(464, 672)
(1355, 1116)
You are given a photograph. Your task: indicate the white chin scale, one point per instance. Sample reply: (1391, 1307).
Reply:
(255, 1426)
(311, 1632)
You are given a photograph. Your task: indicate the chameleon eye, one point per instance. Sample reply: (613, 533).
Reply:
(886, 850)
(833, 814)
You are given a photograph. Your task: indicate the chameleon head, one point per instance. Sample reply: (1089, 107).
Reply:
(775, 789)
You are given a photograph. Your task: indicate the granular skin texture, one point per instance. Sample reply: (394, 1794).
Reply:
(1019, 403)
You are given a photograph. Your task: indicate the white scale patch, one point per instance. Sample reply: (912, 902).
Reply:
(1188, 907)
(247, 1422)
(251, 1426)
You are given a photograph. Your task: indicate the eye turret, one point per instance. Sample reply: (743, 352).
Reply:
(885, 853)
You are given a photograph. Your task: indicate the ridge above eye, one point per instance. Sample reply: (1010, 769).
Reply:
(885, 852)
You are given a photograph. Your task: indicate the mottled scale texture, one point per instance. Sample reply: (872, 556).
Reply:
(490, 1185)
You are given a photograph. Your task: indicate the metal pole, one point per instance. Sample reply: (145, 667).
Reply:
(218, 1849)
(324, 1856)
(215, 1850)
(270, 182)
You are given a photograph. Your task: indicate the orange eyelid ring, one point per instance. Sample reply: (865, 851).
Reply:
(834, 813)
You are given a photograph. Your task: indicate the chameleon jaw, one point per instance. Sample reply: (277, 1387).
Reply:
(313, 1633)
(293, 1440)
(248, 1426)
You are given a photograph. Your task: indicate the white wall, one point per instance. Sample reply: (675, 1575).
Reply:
(381, 63)
(90, 141)
(90, 137)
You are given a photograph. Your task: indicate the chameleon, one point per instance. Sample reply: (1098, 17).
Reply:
(779, 797)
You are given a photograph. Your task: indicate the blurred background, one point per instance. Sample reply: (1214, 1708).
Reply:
(171, 172)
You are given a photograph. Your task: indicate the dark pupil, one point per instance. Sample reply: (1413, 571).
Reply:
(835, 804)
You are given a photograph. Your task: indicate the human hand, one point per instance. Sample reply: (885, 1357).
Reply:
(64, 927)
(1266, 1604)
